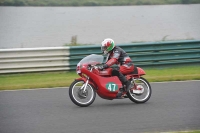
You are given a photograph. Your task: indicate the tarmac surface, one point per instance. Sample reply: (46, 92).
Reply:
(174, 106)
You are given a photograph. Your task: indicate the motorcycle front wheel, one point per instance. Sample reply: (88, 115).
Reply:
(141, 90)
(79, 96)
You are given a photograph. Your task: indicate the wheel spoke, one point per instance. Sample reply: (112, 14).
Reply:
(79, 96)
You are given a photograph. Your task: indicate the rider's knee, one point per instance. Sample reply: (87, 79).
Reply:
(115, 72)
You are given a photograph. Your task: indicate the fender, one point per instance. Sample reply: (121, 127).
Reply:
(138, 73)
(141, 71)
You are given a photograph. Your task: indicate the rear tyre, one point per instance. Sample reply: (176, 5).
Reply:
(141, 90)
(78, 96)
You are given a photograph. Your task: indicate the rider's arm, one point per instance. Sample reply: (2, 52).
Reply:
(108, 64)
(111, 62)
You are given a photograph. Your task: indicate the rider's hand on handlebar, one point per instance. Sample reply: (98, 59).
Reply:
(102, 66)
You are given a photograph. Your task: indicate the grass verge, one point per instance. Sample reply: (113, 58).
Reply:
(196, 131)
(63, 79)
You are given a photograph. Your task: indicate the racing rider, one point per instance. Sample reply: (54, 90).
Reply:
(117, 55)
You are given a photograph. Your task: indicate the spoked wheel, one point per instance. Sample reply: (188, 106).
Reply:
(141, 90)
(79, 96)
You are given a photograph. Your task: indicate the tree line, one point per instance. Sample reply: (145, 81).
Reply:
(93, 2)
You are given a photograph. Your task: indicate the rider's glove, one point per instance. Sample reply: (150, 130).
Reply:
(102, 66)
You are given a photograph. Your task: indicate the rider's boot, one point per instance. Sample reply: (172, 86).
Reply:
(119, 94)
(125, 82)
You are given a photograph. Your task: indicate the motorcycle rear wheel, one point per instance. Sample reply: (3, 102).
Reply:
(141, 91)
(80, 98)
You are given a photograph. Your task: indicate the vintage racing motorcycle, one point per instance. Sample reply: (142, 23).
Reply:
(83, 90)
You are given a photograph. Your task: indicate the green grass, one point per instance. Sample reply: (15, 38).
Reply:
(173, 74)
(63, 79)
(196, 131)
(190, 132)
(36, 80)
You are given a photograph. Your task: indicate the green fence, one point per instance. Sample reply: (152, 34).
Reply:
(148, 54)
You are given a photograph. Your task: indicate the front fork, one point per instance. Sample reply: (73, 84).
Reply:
(86, 83)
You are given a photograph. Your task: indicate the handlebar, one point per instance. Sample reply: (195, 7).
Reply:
(92, 66)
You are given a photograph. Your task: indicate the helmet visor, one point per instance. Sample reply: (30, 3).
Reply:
(103, 48)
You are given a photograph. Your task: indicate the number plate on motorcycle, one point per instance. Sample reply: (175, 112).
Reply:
(111, 86)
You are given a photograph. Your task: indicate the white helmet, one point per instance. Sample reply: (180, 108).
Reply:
(107, 45)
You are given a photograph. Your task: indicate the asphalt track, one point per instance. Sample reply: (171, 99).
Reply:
(173, 106)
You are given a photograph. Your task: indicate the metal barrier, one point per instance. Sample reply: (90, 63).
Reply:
(66, 58)
(148, 54)
(34, 59)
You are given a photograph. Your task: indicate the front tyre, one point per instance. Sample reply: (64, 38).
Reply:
(141, 90)
(78, 96)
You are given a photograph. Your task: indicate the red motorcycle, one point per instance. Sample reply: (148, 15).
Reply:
(83, 90)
